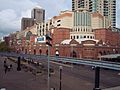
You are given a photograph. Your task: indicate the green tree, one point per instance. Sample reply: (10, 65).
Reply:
(4, 47)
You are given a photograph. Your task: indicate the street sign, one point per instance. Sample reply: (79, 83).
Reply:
(41, 39)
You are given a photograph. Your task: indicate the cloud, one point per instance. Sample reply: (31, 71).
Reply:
(53, 7)
(12, 11)
(11, 14)
(8, 21)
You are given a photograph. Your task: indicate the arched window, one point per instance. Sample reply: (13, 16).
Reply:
(90, 37)
(28, 35)
(77, 37)
(74, 37)
(84, 36)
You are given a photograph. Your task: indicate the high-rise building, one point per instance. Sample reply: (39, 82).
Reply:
(105, 7)
(38, 14)
(27, 22)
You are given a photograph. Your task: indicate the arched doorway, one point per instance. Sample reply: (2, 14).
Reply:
(104, 52)
(40, 51)
(34, 51)
(100, 53)
(73, 54)
(25, 51)
(46, 52)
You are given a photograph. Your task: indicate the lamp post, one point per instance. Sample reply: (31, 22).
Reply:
(48, 38)
(29, 54)
(60, 87)
(48, 42)
(48, 67)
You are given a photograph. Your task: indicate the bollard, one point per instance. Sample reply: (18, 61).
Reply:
(97, 78)
(18, 63)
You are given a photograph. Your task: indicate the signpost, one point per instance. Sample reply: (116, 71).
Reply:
(48, 42)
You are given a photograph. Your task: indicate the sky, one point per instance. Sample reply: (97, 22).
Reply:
(11, 12)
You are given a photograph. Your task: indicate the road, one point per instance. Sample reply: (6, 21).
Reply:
(79, 77)
(74, 77)
(20, 80)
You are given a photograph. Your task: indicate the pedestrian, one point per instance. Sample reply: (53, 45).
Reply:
(6, 68)
(4, 64)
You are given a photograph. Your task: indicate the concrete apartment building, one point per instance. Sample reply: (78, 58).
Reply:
(106, 8)
(27, 22)
(38, 14)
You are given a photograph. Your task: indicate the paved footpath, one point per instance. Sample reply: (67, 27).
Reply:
(20, 80)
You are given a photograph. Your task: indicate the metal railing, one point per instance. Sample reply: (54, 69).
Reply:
(90, 62)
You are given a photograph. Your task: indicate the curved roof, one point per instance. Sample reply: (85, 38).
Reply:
(67, 41)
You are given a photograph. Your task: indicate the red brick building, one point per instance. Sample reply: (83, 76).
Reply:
(60, 34)
(108, 36)
(105, 42)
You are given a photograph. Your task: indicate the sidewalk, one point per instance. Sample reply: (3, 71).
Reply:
(20, 80)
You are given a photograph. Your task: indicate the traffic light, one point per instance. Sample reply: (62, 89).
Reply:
(48, 40)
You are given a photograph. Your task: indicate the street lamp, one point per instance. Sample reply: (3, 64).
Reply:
(60, 68)
(48, 67)
(48, 42)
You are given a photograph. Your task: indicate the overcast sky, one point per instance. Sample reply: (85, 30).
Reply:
(11, 12)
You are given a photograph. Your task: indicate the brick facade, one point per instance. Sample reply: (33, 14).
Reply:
(107, 36)
(109, 43)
